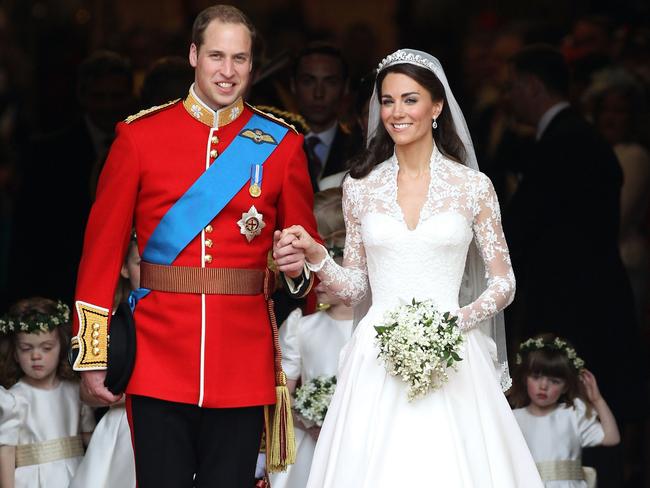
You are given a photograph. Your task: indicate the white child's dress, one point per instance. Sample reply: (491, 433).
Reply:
(46, 427)
(7, 408)
(109, 459)
(556, 440)
(310, 348)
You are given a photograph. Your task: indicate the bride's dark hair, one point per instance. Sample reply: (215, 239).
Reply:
(445, 136)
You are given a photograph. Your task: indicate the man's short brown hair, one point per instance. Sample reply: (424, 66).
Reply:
(224, 13)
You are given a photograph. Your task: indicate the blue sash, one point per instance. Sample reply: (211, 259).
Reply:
(209, 194)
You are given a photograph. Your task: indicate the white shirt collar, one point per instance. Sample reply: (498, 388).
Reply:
(327, 136)
(545, 120)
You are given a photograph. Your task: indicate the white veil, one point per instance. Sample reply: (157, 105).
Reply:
(474, 279)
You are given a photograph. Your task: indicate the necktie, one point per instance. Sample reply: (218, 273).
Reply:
(315, 163)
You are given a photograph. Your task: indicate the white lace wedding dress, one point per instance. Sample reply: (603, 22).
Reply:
(463, 435)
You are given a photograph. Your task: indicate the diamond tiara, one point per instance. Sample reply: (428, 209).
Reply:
(403, 56)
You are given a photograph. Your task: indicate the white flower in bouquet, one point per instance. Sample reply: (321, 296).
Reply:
(313, 397)
(418, 343)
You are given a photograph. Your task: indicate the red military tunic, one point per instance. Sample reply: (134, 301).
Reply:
(209, 350)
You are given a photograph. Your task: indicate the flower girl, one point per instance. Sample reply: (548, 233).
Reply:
(46, 426)
(109, 461)
(311, 345)
(554, 396)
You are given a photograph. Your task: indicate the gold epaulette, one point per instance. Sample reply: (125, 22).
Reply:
(297, 121)
(149, 111)
(273, 117)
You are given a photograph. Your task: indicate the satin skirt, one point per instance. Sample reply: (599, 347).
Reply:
(461, 435)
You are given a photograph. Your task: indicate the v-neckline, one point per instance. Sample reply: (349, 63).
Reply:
(426, 198)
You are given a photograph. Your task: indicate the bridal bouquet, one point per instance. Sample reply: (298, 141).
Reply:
(313, 397)
(418, 343)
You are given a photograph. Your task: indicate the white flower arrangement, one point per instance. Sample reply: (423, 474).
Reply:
(312, 399)
(419, 343)
(557, 344)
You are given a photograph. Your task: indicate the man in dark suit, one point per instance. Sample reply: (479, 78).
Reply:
(319, 83)
(562, 227)
(60, 172)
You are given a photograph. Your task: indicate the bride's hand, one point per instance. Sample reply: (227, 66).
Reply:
(314, 252)
(459, 317)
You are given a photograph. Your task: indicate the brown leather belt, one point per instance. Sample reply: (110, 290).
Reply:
(210, 281)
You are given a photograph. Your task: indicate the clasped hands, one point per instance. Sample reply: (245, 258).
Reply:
(292, 247)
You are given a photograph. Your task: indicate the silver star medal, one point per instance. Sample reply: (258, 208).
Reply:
(251, 223)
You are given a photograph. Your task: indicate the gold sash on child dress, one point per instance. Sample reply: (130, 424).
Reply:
(48, 451)
(561, 470)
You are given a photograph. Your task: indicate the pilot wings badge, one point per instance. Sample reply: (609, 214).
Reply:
(258, 137)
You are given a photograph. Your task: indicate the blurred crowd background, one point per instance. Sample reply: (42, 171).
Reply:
(71, 69)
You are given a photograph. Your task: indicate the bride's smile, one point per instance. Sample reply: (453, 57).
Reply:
(407, 109)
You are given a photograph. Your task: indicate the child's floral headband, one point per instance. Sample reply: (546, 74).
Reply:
(37, 322)
(557, 344)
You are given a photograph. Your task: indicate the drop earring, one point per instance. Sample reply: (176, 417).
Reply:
(434, 124)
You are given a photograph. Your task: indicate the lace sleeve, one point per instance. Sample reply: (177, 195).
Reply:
(350, 281)
(493, 248)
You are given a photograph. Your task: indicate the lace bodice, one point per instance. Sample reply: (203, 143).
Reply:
(382, 254)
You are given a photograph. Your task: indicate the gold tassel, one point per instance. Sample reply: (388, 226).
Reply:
(280, 439)
(281, 447)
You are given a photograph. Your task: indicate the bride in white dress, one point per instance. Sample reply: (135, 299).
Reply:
(415, 222)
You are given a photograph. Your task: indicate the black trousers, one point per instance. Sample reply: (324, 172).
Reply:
(178, 445)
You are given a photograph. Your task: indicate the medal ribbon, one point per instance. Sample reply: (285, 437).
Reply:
(256, 180)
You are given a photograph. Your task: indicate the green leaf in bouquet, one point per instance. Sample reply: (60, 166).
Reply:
(381, 329)
(456, 356)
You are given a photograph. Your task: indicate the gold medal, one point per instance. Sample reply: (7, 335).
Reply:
(255, 188)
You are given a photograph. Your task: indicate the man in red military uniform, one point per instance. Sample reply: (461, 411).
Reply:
(204, 364)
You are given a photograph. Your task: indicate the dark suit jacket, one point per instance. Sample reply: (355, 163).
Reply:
(344, 146)
(51, 213)
(562, 227)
